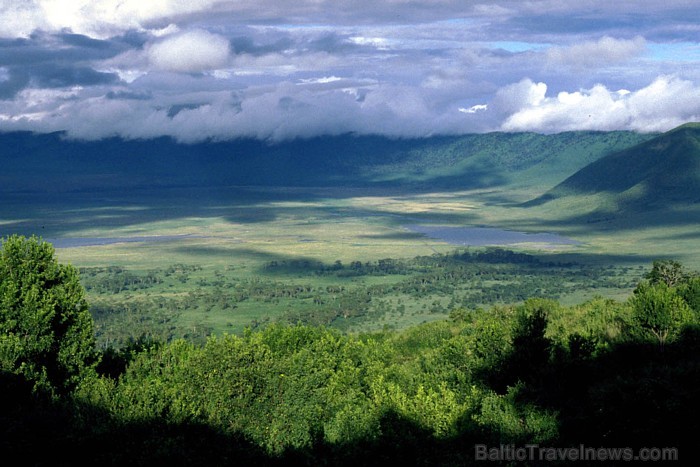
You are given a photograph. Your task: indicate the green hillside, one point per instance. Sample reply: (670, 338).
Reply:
(43, 163)
(656, 174)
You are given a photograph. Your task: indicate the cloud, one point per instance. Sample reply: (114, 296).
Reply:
(283, 111)
(323, 80)
(189, 52)
(474, 109)
(60, 48)
(592, 54)
(288, 110)
(665, 103)
(524, 94)
(95, 18)
(107, 18)
(54, 61)
(20, 19)
(277, 69)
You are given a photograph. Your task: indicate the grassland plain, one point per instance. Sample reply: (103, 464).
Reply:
(225, 257)
(203, 262)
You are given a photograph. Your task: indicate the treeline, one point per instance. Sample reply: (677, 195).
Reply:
(117, 279)
(388, 266)
(601, 374)
(127, 304)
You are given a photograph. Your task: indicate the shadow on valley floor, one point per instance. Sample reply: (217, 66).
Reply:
(571, 224)
(69, 215)
(680, 236)
(282, 264)
(66, 215)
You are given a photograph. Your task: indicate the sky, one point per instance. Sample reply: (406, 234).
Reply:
(199, 70)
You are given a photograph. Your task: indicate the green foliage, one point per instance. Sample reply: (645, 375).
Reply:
(690, 292)
(580, 347)
(538, 372)
(667, 271)
(435, 409)
(659, 310)
(489, 337)
(601, 321)
(279, 387)
(46, 331)
(508, 421)
(531, 348)
(113, 361)
(186, 302)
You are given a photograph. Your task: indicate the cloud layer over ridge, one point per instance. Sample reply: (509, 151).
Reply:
(276, 70)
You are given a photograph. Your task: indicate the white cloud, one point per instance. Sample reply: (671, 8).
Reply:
(524, 94)
(166, 31)
(279, 112)
(474, 109)
(19, 19)
(660, 106)
(192, 51)
(664, 104)
(106, 18)
(286, 110)
(284, 65)
(95, 18)
(381, 43)
(323, 80)
(285, 68)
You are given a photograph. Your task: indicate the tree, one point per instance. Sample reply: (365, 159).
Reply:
(690, 291)
(46, 331)
(667, 271)
(530, 352)
(658, 309)
(529, 341)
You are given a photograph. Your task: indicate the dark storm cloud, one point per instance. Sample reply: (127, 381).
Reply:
(52, 76)
(54, 60)
(13, 82)
(56, 76)
(60, 47)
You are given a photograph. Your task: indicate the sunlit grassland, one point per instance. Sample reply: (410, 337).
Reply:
(324, 229)
(233, 238)
(328, 225)
(359, 227)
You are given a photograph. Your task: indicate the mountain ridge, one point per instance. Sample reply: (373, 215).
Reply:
(653, 174)
(41, 162)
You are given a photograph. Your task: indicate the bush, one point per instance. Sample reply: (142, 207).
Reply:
(46, 331)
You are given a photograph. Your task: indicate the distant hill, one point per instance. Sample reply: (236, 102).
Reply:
(656, 174)
(43, 163)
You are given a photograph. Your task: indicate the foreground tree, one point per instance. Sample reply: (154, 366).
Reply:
(46, 331)
(659, 310)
